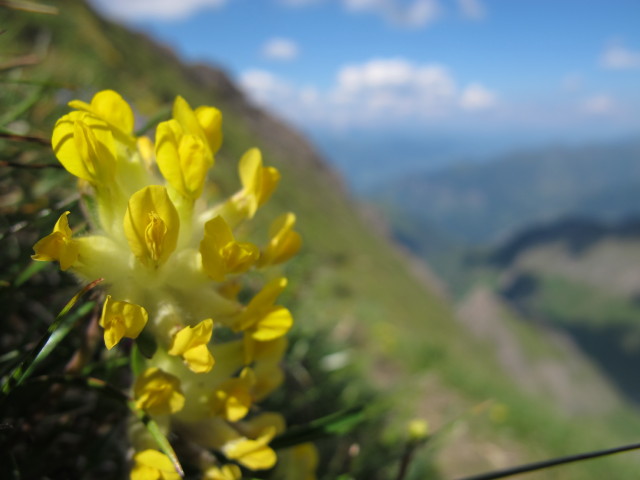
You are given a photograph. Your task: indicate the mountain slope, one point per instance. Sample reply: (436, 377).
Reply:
(348, 284)
(481, 203)
(582, 277)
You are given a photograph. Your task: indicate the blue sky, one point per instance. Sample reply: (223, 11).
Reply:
(551, 69)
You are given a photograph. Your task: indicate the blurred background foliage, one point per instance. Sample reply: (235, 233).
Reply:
(374, 328)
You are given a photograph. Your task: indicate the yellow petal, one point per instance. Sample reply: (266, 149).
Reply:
(152, 225)
(232, 400)
(269, 182)
(253, 454)
(250, 169)
(261, 309)
(183, 158)
(199, 359)
(111, 107)
(284, 242)
(210, 119)
(186, 117)
(194, 164)
(191, 344)
(240, 256)
(146, 150)
(121, 319)
(153, 465)
(58, 246)
(275, 323)
(227, 472)
(269, 293)
(158, 392)
(221, 254)
(85, 147)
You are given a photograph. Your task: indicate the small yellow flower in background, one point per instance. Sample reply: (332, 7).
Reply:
(121, 319)
(227, 472)
(158, 393)
(191, 344)
(153, 465)
(499, 413)
(152, 225)
(58, 246)
(418, 429)
(221, 254)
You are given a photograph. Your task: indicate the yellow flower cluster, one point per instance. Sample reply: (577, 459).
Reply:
(174, 265)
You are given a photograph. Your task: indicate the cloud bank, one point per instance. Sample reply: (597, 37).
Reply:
(375, 92)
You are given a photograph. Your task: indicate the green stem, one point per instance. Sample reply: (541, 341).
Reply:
(532, 467)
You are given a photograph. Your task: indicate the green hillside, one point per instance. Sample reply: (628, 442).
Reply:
(583, 278)
(354, 296)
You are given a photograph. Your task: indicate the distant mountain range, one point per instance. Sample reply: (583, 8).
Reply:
(583, 278)
(481, 203)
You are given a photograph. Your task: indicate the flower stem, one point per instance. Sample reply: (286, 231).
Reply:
(531, 467)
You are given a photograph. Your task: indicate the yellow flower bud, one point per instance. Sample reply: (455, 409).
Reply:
(418, 429)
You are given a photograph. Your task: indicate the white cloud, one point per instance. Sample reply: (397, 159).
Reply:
(280, 49)
(472, 9)
(159, 9)
(380, 91)
(598, 105)
(617, 57)
(477, 97)
(264, 86)
(416, 13)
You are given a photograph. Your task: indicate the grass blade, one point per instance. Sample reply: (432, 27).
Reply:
(56, 332)
(337, 423)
